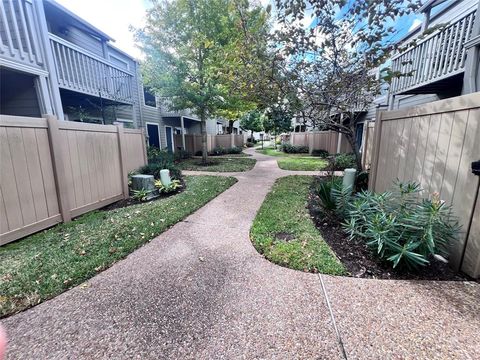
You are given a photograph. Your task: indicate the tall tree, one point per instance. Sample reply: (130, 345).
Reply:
(331, 64)
(191, 47)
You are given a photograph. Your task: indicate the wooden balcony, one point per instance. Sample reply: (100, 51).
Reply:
(81, 71)
(20, 40)
(437, 57)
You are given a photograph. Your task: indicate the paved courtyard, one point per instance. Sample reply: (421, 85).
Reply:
(201, 291)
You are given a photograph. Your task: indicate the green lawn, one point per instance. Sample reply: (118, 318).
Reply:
(272, 152)
(305, 163)
(285, 234)
(219, 164)
(44, 265)
(296, 162)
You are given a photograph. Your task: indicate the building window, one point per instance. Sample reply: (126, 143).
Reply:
(149, 97)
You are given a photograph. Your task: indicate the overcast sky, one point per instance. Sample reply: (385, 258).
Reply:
(114, 18)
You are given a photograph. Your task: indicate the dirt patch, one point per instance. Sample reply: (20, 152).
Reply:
(283, 236)
(358, 259)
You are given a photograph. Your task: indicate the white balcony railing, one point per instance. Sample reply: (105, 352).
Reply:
(440, 55)
(81, 71)
(19, 33)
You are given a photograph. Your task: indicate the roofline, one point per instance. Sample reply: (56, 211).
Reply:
(79, 19)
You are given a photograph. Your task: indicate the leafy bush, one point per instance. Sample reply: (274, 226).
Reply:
(324, 192)
(341, 162)
(235, 150)
(294, 149)
(400, 227)
(154, 169)
(278, 141)
(218, 151)
(175, 185)
(250, 144)
(182, 155)
(320, 152)
(140, 195)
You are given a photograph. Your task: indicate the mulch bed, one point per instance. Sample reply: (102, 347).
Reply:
(358, 259)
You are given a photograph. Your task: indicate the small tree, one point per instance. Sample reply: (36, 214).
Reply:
(278, 119)
(252, 121)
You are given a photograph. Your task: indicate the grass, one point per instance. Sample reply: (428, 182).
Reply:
(45, 264)
(219, 164)
(302, 163)
(296, 162)
(284, 214)
(273, 152)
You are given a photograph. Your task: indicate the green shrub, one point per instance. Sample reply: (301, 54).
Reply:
(400, 227)
(154, 169)
(249, 144)
(218, 151)
(324, 192)
(320, 152)
(294, 149)
(341, 162)
(235, 150)
(182, 155)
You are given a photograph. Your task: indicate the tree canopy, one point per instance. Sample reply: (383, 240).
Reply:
(193, 52)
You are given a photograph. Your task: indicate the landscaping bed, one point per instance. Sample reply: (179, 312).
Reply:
(285, 234)
(358, 259)
(218, 164)
(45, 264)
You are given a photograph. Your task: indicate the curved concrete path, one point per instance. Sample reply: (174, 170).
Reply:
(201, 291)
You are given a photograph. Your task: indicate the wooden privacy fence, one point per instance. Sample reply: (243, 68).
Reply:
(51, 171)
(434, 145)
(193, 142)
(331, 141)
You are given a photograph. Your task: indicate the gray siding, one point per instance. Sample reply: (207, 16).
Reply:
(412, 100)
(18, 95)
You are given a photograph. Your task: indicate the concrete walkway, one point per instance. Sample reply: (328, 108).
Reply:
(201, 291)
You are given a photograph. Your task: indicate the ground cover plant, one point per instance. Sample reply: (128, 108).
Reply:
(45, 264)
(219, 164)
(394, 234)
(285, 234)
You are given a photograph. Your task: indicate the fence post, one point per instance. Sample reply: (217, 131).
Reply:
(364, 143)
(54, 139)
(232, 140)
(144, 142)
(122, 156)
(375, 151)
(310, 138)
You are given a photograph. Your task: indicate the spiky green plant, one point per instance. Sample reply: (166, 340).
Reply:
(401, 227)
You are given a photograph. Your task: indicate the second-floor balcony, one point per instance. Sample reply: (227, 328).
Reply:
(81, 71)
(25, 44)
(436, 57)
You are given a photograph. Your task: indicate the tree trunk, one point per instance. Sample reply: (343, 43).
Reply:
(230, 126)
(251, 137)
(203, 126)
(353, 143)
